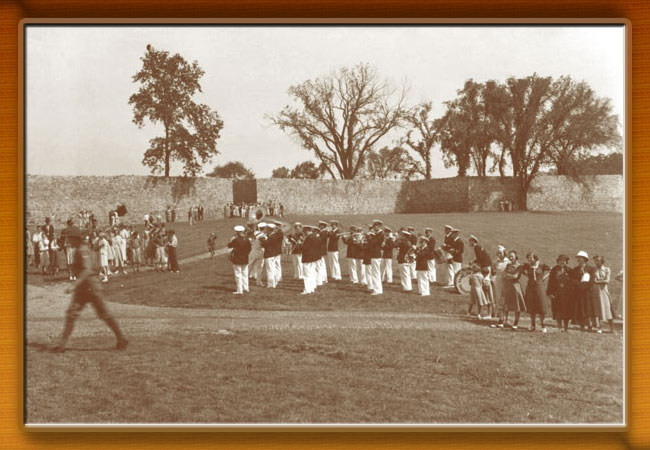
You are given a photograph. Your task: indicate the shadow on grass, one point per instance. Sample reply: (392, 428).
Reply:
(41, 347)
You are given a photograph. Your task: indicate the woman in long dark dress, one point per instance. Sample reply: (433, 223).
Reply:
(560, 293)
(537, 302)
(512, 292)
(582, 280)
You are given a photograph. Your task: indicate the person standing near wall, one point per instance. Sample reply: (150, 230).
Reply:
(296, 240)
(321, 268)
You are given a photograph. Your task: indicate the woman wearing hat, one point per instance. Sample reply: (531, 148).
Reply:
(582, 279)
(537, 302)
(602, 299)
(560, 293)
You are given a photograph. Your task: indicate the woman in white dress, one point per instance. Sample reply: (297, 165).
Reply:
(498, 280)
(600, 295)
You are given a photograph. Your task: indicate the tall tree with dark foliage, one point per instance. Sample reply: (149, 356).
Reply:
(167, 84)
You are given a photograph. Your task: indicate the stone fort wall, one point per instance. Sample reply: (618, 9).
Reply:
(62, 197)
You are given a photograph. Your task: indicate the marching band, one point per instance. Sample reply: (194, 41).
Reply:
(314, 252)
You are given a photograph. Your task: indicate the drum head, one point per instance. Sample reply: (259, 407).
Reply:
(461, 281)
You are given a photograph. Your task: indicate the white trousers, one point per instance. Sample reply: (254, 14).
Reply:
(366, 278)
(375, 275)
(321, 271)
(361, 272)
(277, 260)
(241, 277)
(353, 270)
(269, 265)
(309, 276)
(256, 270)
(451, 271)
(423, 282)
(431, 265)
(414, 275)
(405, 276)
(387, 270)
(297, 265)
(335, 267)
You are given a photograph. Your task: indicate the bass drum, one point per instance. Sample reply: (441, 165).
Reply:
(462, 281)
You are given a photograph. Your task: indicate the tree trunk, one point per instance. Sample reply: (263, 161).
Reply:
(427, 165)
(166, 152)
(523, 195)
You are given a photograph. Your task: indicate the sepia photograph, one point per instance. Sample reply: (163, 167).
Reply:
(336, 225)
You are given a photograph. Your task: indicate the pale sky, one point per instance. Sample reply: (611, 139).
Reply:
(78, 81)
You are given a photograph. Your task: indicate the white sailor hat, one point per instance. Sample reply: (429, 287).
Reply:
(405, 232)
(262, 225)
(473, 238)
(410, 228)
(455, 230)
(582, 254)
(449, 227)
(428, 229)
(322, 222)
(271, 225)
(377, 222)
(239, 228)
(297, 224)
(388, 229)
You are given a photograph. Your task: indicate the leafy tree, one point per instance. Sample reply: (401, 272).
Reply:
(610, 164)
(307, 170)
(167, 85)
(466, 131)
(422, 135)
(281, 172)
(577, 124)
(392, 164)
(342, 116)
(232, 169)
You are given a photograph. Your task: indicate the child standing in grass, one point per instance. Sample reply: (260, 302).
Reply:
(476, 294)
(135, 244)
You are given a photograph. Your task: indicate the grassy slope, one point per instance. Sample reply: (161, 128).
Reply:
(329, 376)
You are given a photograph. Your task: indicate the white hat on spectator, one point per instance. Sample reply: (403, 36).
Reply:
(582, 254)
(239, 228)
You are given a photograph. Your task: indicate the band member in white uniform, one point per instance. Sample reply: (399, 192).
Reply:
(333, 250)
(352, 254)
(268, 244)
(321, 268)
(431, 244)
(277, 259)
(447, 245)
(387, 256)
(310, 254)
(457, 249)
(256, 257)
(296, 239)
(404, 257)
(241, 248)
(375, 241)
(413, 237)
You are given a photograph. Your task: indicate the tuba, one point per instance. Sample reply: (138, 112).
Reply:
(256, 215)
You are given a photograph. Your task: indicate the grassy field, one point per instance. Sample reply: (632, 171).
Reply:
(378, 376)
(184, 370)
(209, 283)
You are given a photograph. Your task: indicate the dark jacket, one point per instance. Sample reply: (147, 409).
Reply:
(333, 241)
(322, 236)
(311, 248)
(387, 248)
(457, 249)
(374, 245)
(296, 241)
(403, 246)
(482, 257)
(352, 251)
(241, 248)
(422, 257)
